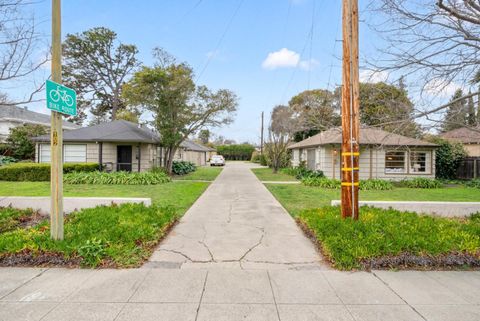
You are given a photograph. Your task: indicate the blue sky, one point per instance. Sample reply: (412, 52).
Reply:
(232, 55)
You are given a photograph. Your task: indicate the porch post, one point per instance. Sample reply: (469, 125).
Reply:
(139, 156)
(100, 155)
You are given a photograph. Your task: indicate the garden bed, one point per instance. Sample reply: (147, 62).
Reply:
(389, 239)
(105, 236)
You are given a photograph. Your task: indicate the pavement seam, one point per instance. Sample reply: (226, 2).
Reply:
(201, 296)
(390, 288)
(273, 295)
(131, 295)
(339, 298)
(24, 283)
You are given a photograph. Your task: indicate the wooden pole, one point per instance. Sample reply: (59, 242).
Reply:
(350, 150)
(56, 133)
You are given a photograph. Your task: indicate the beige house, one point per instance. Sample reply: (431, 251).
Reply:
(469, 138)
(383, 155)
(117, 145)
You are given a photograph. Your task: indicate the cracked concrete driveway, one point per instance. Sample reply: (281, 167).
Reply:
(237, 223)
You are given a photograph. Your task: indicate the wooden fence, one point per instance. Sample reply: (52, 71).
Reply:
(469, 168)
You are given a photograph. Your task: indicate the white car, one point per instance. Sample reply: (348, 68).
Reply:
(217, 160)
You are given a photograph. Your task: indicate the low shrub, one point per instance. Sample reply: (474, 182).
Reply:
(113, 236)
(301, 172)
(5, 160)
(322, 182)
(375, 185)
(475, 183)
(256, 158)
(38, 172)
(381, 233)
(422, 182)
(116, 178)
(183, 167)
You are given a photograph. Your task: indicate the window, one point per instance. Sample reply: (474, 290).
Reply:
(418, 162)
(44, 153)
(395, 162)
(75, 153)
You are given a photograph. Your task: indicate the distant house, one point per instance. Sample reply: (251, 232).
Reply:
(196, 153)
(13, 116)
(117, 145)
(469, 138)
(382, 155)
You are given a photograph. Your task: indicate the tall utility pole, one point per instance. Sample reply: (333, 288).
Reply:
(56, 134)
(261, 136)
(350, 111)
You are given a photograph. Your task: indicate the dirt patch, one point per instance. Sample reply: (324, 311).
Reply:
(27, 258)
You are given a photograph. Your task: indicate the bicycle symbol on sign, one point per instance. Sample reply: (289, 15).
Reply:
(60, 94)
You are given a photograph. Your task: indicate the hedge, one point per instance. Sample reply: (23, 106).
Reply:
(39, 172)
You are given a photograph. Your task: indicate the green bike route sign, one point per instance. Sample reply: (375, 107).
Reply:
(61, 99)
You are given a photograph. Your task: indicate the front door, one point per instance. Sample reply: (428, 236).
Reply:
(311, 162)
(124, 158)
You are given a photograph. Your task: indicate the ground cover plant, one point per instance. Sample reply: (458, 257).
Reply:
(301, 172)
(37, 172)
(5, 160)
(109, 236)
(117, 178)
(296, 198)
(392, 239)
(11, 218)
(183, 167)
(322, 182)
(201, 174)
(475, 183)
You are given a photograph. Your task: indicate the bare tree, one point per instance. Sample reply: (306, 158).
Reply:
(282, 127)
(19, 43)
(434, 43)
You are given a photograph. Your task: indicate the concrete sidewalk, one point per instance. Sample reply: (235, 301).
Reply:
(237, 223)
(233, 294)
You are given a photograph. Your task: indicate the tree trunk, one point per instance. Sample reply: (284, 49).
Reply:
(171, 150)
(115, 104)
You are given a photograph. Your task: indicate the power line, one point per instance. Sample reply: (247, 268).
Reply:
(227, 27)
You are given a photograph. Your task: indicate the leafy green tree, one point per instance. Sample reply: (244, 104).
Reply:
(128, 115)
(471, 116)
(314, 110)
(19, 141)
(179, 107)
(280, 133)
(447, 158)
(96, 65)
(456, 114)
(204, 136)
(388, 107)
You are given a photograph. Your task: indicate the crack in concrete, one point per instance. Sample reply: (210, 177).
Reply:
(253, 247)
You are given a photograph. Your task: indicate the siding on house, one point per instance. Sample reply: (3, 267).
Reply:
(372, 161)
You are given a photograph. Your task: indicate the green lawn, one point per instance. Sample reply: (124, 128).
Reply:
(203, 173)
(266, 175)
(181, 195)
(298, 197)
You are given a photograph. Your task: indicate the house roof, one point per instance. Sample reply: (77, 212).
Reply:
(23, 115)
(114, 131)
(191, 145)
(463, 135)
(368, 136)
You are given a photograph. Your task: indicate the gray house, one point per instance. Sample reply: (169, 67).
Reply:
(13, 116)
(383, 155)
(118, 145)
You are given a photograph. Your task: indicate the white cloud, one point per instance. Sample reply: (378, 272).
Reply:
(372, 76)
(285, 58)
(282, 58)
(308, 64)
